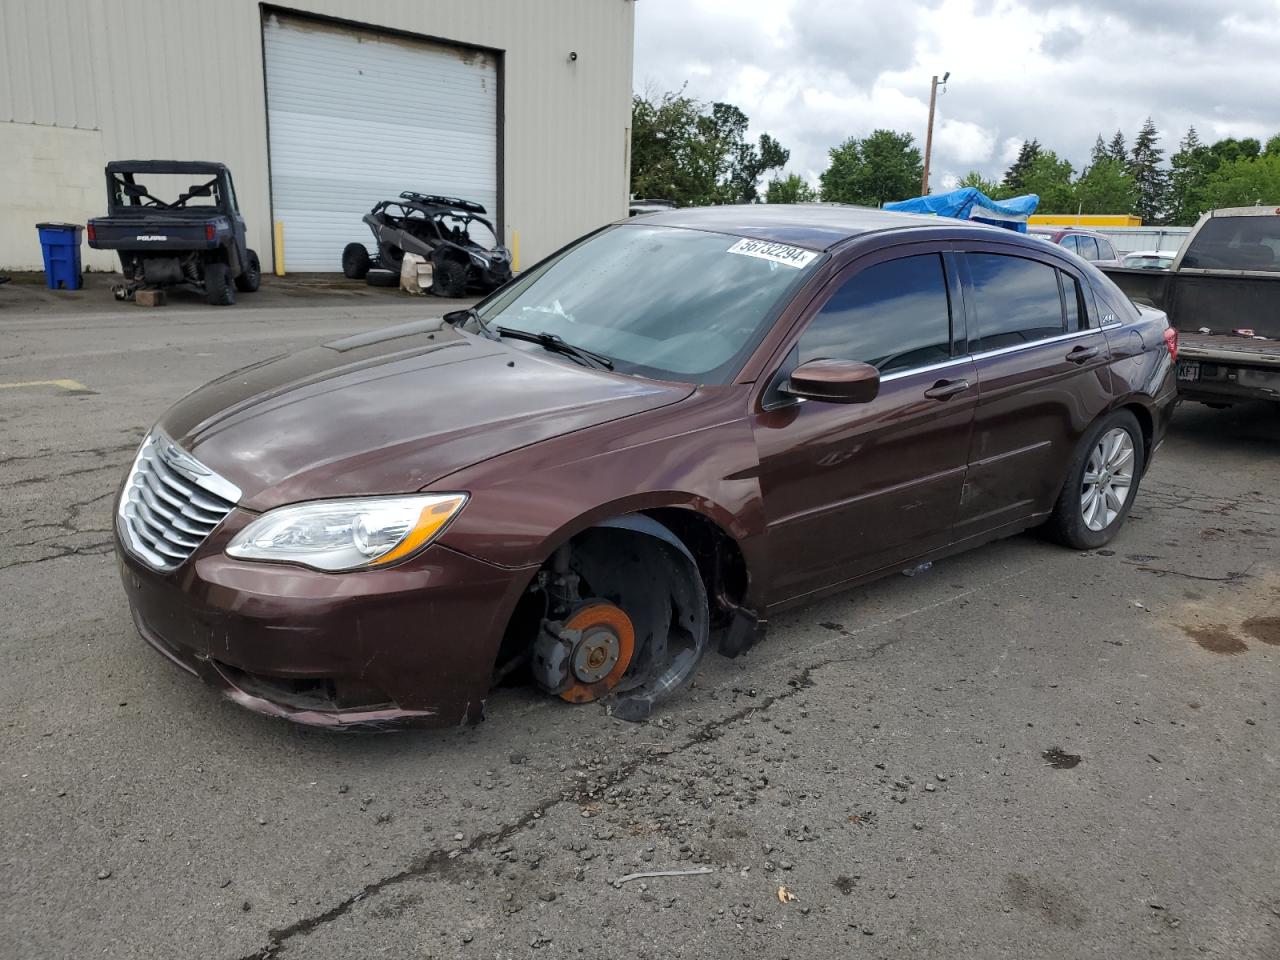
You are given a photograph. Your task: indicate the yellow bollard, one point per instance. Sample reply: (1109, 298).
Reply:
(278, 246)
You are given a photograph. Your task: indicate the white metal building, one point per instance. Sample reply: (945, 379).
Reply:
(320, 109)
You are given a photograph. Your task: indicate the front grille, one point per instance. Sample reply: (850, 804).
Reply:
(171, 503)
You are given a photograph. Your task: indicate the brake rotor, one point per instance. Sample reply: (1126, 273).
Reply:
(600, 657)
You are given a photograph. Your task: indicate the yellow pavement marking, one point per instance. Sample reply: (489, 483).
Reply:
(64, 384)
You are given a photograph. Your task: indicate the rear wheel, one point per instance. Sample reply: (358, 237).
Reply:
(355, 261)
(1102, 482)
(251, 277)
(218, 288)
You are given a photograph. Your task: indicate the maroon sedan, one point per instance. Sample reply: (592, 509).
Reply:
(635, 452)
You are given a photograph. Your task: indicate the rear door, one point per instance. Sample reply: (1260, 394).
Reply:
(851, 488)
(1041, 362)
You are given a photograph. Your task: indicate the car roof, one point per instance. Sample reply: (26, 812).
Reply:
(812, 226)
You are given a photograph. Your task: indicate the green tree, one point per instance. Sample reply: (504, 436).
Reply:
(974, 179)
(1152, 181)
(790, 189)
(1099, 151)
(1015, 177)
(1050, 179)
(1105, 187)
(1272, 149)
(1192, 166)
(696, 153)
(1230, 149)
(1244, 182)
(1117, 149)
(882, 167)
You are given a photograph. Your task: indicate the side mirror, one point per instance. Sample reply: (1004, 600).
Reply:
(834, 381)
(200, 190)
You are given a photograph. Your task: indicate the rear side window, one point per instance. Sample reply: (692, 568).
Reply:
(1236, 243)
(1072, 301)
(1016, 300)
(1105, 250)
(893, 315)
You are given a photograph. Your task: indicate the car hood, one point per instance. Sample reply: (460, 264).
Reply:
(392, 411)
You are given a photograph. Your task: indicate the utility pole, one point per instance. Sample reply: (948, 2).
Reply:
(928, 137)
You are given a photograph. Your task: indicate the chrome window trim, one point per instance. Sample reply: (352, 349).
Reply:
(1014, 348)
(940, 365)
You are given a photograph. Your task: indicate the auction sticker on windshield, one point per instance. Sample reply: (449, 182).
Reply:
(776, 252)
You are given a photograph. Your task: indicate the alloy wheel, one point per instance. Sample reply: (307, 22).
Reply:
(1108, 479)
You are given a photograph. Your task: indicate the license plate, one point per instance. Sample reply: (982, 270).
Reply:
(1188, 369)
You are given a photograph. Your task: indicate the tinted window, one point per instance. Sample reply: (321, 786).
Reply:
(1105, 250)
(1087, 247)
(1069, 242)
(1236, 243)
(1072, 301)
(894, 315)
(1016, 300)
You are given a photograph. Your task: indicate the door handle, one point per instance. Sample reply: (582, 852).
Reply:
(1081, 354)
(946, 389)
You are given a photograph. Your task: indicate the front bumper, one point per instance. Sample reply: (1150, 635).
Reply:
(414, 644)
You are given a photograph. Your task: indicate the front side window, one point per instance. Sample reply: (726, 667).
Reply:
(1105, 250)
(1087, 247)
(1016, 300)
(893, 315)
(663, 302)
(1069, 242)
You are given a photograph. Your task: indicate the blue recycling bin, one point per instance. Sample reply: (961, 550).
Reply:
(60, 244)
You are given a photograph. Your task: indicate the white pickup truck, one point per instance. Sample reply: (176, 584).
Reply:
(1225, 280)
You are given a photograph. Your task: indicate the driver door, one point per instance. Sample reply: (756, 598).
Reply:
(850, 489)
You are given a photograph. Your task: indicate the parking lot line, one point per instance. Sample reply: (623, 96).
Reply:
(64, 384)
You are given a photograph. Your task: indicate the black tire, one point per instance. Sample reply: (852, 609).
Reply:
(355, 261)
(251, 276)
(382, 278)
(449, 279)
(1068, 524)
(218, 288)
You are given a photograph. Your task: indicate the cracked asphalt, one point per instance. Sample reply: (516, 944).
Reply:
(1024, 752)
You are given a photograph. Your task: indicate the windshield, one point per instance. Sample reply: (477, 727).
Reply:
(1236, 243)
(664, 302)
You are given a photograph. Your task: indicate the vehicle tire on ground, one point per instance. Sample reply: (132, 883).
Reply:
(450, 279)
(218, 288)
(251, 277)
(1102, 482)
(382, 278)
(355, 261)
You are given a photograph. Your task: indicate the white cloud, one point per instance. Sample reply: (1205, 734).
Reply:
(815, 73)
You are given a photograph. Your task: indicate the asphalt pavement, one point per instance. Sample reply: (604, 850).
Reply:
(1024, 752)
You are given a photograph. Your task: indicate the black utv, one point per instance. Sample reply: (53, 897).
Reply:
(438, 229)
(170, 236)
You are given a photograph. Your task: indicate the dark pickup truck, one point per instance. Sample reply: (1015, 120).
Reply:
(1222, 293)
(170, 235)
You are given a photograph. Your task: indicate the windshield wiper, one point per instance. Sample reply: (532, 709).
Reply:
(556, 344)
(470, 313)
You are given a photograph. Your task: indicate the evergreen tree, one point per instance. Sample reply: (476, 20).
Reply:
(1144, 165)
(1117, 149)
(1099, 152)
(1015, 177)
(1192, 165)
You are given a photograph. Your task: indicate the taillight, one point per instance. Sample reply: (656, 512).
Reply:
(91, 232)
(1171, 341)
(210, 231)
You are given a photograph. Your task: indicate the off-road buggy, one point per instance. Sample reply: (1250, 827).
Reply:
(437, 229)
(170, 235)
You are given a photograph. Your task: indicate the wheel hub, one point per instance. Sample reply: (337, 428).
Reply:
(602, 639)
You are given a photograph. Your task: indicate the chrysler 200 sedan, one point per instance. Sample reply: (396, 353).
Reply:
(633, 453)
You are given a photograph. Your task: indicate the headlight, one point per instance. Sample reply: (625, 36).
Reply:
(347, 534)
(480, 261)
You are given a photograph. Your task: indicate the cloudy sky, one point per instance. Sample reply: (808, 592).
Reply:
(813, 72)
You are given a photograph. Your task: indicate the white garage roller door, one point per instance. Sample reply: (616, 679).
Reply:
(355, 117)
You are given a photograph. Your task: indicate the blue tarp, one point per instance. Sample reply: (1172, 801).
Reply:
(970, 203)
